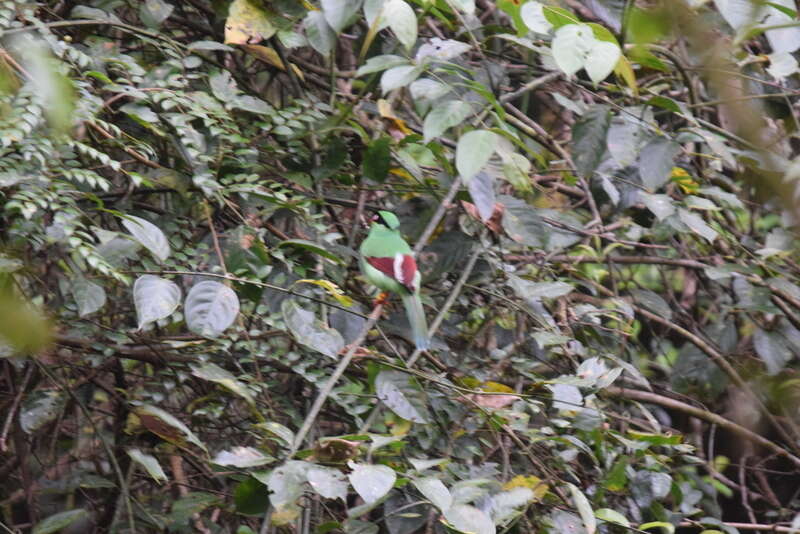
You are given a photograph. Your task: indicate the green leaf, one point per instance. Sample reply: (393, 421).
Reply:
(89, 296)
(652, 301)
(558, 16)
(340, 13)
(601, 60)
(251, 497)
(662, 206)
(481, 189)
(39, 408)
(210, 45)
(210, 308)
(150, 464)
(187, 506)
(656, 160)
(242, 457)
(311, 247)
(528, 290)
(773, 350)
(279, 431)
(56, 522)
(402, 21)
(320, 35)
(571, 46)
(379, 63)
(532, 14)
(401, 76)
(393, 389)
(697, 225)
(154, 298)
(155, 12)
(286, 482)
(584, 509)
(148, 235)
(466, 518)
(328, 482)
(377, 159)
(589, 139)
(612, 516)
(371, 482)
(166, 418)
(473, 152)
(445, 116)
(355, 526)
(214, 373)
(669, 528)
(435, 491)
(311, 332)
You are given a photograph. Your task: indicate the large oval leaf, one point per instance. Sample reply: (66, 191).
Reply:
(467, 518)
(340, 13)
(56, 522)
(310, 331)
(391, 388)
(445, 116)
(402, 21)
(211, 307)
(149, 235)
(154, 298)
(89, 296)
(371, 482)
(473, 152)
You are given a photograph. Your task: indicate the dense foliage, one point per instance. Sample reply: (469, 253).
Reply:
(603, 200)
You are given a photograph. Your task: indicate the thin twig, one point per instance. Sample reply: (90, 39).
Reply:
(13, 409)
(705, 415)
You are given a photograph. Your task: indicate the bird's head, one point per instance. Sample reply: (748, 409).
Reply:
(387, 219)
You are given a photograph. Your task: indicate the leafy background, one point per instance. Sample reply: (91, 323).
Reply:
(603, 198)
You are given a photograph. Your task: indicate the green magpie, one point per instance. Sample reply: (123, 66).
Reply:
(388, 263)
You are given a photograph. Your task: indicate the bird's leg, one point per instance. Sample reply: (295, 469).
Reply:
(382, 298)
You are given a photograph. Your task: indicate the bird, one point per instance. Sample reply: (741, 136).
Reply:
(388, 263)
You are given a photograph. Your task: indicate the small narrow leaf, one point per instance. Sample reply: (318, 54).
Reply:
(242, 457)
(150, 464)
(56, 522)
(584, 509)
(214, 373)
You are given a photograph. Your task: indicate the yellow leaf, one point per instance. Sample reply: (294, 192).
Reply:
(266, 54)
(331, 288)
(684, 180)
(624, 70)
(496, 387)
(402, 173)
(247, 23)
(531, 482)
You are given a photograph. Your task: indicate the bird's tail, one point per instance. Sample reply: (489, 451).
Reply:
(416, 318)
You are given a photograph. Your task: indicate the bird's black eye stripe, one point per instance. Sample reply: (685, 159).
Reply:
(378, 219)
